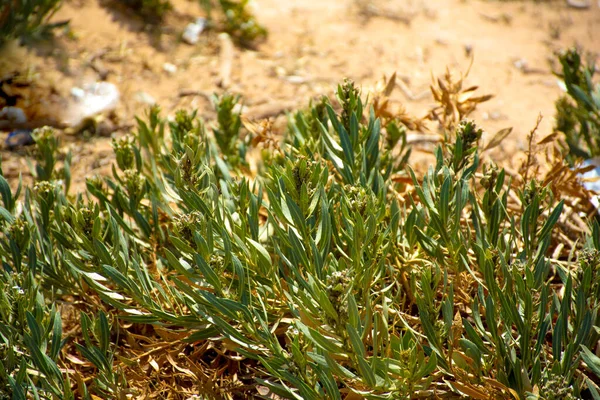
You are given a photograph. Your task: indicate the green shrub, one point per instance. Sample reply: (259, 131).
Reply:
(26, 18)
(233, 17)
(324, 275)
(237, 20)
(578, 112)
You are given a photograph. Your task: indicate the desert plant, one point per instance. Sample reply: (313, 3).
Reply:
(27, 19)
(578, 112)
(324, 276)
(237, 20)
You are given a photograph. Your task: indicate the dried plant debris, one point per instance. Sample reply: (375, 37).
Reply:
(388, 110)
(333, 271)
(454, 102)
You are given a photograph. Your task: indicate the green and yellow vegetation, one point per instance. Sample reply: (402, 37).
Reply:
(333, 271)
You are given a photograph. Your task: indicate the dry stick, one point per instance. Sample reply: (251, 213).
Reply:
(191, 92)
(269, 110)
(527, 70)
(419, 138)
(370, 10)
(156, 349)
(226, 57)
(576, 220)
(491, 18)
(95, 63)
(409, 94)
(529, 162)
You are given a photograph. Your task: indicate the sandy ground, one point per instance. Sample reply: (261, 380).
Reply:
(312, 45)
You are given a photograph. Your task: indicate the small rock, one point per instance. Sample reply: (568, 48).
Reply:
(191, 35)
(295, 79)
(145, 98)
(201, 21)
(520, 64)
(19, 138)
(494, 116)
(13, 115)
(90, 100)
(169, 68)
(77, 93)
(280, 72)
(192, 32)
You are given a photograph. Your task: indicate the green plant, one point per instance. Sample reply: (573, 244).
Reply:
(238, 21)
(334, 272)
(27, 19)
(228, 132)
(578, 112)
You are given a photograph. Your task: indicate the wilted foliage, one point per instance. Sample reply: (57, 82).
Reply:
(454, 101)
(324, 276)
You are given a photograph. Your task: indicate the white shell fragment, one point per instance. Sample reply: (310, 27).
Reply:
(169, 68)
(91, 99)
(192, 32)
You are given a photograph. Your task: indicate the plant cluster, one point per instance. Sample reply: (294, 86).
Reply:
(232, 16)
(578, 111)
(324, 276)
(26, 18)
(237, 20)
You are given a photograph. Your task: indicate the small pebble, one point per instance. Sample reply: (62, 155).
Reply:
(19, 138)
(169, 68)
(145, 98)
(192, 32)
(295, 79)
(201, 21)
(14, 115)
(77, 92)
(520, 64)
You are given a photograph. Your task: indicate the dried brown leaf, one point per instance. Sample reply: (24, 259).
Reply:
(469, 390)
(498, 138)
(548, 139)
(389, 88)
